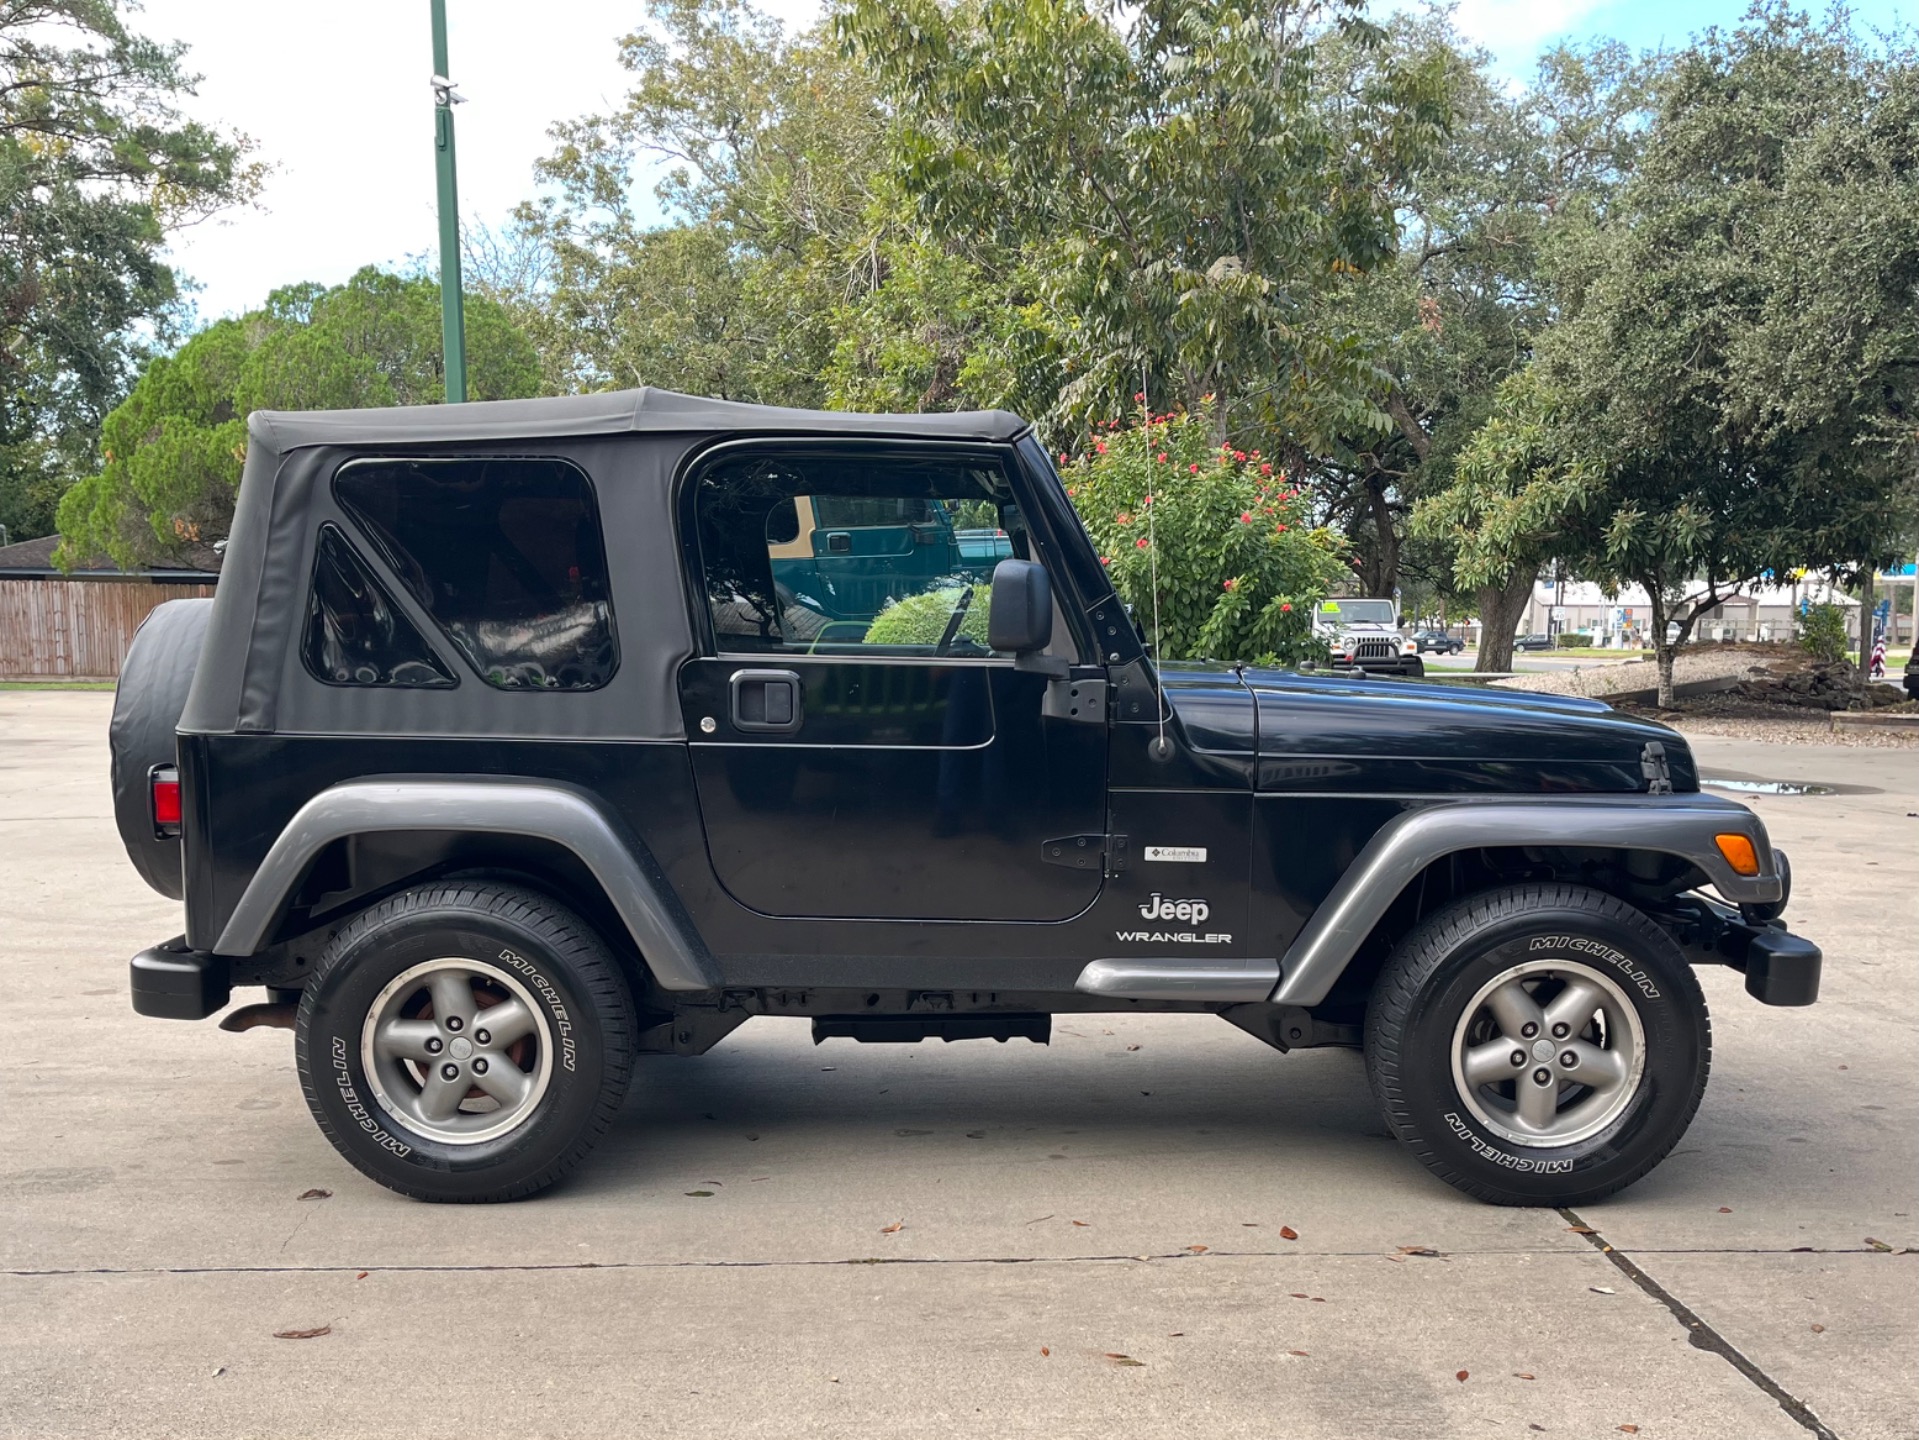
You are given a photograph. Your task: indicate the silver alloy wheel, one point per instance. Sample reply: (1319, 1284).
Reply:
(1548, 1053)
(457, 1051)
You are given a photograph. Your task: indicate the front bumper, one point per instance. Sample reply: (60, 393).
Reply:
(1780, 968)
(175, 983)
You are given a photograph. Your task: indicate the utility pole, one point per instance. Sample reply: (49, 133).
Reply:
(452, 309)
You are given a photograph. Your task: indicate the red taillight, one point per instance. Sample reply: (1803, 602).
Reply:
(165, 783)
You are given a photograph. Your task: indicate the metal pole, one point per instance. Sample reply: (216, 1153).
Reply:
(452, 309)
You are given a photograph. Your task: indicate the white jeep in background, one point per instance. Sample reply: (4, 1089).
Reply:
(1365, 634)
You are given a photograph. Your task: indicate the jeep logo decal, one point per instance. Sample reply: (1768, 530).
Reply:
(1159, 908)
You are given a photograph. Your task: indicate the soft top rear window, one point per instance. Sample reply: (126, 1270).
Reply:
(504, 553)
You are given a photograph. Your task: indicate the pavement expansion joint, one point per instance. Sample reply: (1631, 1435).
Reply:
(1699, 1332)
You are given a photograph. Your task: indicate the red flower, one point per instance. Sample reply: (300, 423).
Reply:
(1245, 516)
(1192, 469)
(1123, 518)
(1286, 608)
(1146, 500)
(1100, 446)
(1265, 469)
(1140, 544)
(1071, 491)
(1239, 454)
(1232, 584)
(1278, 528)
(1256, 454)
(1062, 457)
(1139, 396)
(1106, 559)
(1161, 457)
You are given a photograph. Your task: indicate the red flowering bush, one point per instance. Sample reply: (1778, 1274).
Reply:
(1241, 565)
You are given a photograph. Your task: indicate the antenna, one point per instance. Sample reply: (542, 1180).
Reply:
(1160, 749)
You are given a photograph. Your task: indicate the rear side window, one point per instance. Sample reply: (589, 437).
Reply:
(355, 635)
(506, 555)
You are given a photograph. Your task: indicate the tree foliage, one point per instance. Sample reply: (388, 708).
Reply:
(96, 165)
(1211, 546)
(173, 450)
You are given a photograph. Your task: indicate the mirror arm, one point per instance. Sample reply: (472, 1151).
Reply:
(1053, 667)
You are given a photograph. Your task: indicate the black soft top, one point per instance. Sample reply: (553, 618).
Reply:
(632, 445)
(617, 412)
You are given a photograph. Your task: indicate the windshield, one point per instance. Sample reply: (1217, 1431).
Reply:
(1358, 612)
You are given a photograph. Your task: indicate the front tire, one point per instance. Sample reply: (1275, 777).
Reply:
(1540, 1044)
(465, 1042)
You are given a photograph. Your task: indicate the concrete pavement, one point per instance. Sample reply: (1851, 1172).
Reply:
(726, 1264)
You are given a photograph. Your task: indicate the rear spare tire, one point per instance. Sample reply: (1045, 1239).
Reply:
(147, 704)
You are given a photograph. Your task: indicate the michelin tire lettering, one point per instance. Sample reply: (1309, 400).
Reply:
(1522, 1164)
(350, 1097)
(1598, 950)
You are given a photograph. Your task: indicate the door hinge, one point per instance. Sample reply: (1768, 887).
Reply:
(1105, 853)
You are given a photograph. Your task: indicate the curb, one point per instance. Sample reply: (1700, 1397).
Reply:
(1867, 720)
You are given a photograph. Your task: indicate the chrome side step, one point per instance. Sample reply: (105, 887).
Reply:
(1178, 978)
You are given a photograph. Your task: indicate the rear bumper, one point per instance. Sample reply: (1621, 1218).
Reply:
(175, 983)
(1780, 968)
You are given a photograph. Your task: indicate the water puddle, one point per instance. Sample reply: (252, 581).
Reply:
(1769, 787)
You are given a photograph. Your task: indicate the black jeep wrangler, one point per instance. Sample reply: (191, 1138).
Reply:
(523, 738)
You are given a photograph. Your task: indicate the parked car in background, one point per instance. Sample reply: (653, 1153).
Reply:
(1437, 642)
(1532, 642)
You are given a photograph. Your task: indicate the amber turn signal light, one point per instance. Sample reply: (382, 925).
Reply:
(1739, 853)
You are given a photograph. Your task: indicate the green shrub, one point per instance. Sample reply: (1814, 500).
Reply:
(1822, 634)
(1240, 565)
(921, 619)
(1575, 642)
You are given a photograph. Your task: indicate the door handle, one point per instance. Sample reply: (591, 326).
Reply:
(766, 701)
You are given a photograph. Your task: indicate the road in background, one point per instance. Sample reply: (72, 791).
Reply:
(970, 1239)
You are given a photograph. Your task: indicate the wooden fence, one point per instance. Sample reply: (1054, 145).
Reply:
(74, 628)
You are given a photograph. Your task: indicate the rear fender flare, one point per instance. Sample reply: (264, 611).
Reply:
(1407, 844)
(625, 869)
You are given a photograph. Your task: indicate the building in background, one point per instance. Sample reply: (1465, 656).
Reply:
(1624, 618)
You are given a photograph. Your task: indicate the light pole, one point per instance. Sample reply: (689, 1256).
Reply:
(452, 310)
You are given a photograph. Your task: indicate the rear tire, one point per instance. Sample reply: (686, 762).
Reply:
(404, 1075)
(1539, 1044)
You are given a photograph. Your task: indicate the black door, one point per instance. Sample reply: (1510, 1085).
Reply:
(858, 749)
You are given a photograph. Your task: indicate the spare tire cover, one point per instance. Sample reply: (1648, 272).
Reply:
(146, 711)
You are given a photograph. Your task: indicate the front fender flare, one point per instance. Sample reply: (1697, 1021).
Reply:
(1406, 845)
(633, 881)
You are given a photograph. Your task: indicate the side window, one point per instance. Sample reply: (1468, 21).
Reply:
(354, 635)
(506, 556)
(836, 554)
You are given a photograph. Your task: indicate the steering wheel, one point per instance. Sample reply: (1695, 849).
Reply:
(953, 624)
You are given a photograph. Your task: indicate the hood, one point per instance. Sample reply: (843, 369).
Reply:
(1329, 732)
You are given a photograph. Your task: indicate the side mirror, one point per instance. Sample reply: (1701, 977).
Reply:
(1020, 621)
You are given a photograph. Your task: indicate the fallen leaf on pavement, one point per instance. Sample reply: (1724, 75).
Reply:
(1249, 1224)
(1299, 1295)
(1042, 1217)
(360, 1276)
(1174, 1334)
(313, 1334)
(1123, 1359)
(1582, 1229)
(894, 1228)
(1286, 1232)
(316, 1195)
(1818, 1329)
(700, 1194)
(1881, 1246)
(1132, 1047)
(1725, 1209)
(1540, 1428)
(1524, 1375)
(1417, 1250)
(1198, 1249)
(1602, 1289)
(1463, 1376)
(1044, 1350)
(1296, 1352)
(1084, 1224)
(1630, 1429)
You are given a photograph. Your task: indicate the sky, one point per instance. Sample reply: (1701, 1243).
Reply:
(336, 99)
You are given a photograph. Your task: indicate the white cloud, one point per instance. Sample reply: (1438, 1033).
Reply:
(336, 96)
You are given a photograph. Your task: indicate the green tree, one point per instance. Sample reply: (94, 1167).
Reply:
(96, 165)
(173, 450)
(1735, 364)
(1183, 188)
